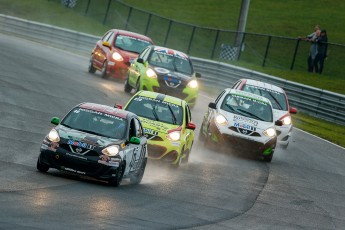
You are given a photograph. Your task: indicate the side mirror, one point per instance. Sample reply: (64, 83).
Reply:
(55, 120)
(190, 125)
(134, 140)
(278, 123)
(212, 105)
(106, 44)
(293, 110)
(198, 75)
(140, 60)
(118, 106)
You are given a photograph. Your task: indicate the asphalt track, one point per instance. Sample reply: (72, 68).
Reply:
(302, 188)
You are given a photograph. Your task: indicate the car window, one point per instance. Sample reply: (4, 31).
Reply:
(131, 44)
(138, 128)
(154, 109)
(277, 99)
(172, 60)
(95, 122)
(188, 114)
(247, 106)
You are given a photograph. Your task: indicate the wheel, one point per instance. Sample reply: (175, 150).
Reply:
(91, 68)
(136, 179)
(117, 180)
(137, 86)
(201, 135)
(268, 158)
(187, 153)
(104, 70)
(127, 87)
(42, 167)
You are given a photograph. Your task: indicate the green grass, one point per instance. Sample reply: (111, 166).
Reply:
(289, 18)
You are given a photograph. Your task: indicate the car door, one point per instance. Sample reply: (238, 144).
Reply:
(135, 153)
(136, 69)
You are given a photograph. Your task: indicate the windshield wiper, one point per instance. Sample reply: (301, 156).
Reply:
(173, 115)
(154, 112)
(250, 114)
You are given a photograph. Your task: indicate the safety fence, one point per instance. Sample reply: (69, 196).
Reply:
(217, 75)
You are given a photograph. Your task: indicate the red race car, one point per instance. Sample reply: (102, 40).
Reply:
(114, 52)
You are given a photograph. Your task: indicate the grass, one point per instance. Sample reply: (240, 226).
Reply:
(283, 18)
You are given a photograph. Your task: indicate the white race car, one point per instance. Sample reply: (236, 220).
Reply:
(242, 121)
(281, 109)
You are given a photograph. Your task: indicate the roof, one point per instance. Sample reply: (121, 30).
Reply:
(162, 97)
(263, 85)
(170, 51)
(105, 109)
(132, 34)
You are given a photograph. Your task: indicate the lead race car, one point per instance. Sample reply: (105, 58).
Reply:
(97, 141)
(242, 121)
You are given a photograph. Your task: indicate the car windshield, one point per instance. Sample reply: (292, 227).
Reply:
(172, 60)
(131, 44)
(247, 106)
(154, 109)
(277, 99)
(95, 122)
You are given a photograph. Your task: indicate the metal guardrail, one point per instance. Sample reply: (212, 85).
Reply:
(316, 102)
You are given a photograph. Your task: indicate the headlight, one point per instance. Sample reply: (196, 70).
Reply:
(111, 150)
(193, 84)
(174, 136)
(151, 73)
(270, 132)
(117, 57)
(286, 120)
(221, 120)
(53, 136)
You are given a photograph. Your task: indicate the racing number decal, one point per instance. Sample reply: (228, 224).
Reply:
(137, 158)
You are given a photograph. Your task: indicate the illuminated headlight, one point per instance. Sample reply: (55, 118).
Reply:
(53, 136)
(221, 120)
(193, 84)
(117, 57)
(270, 132)
(111, 150)
(151, 73)
(174, 136)
(286, 120)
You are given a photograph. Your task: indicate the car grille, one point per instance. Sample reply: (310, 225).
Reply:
(79, 150)
(156, 151)
(245, 131)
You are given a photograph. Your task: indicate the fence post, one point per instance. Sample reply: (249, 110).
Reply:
(106, 12)
(128, 17)
(148, 24)
(240, 47)
(294, 55)
(191, 39)
(168, 32)
(266, 53)
(87, 6)
(214, 45)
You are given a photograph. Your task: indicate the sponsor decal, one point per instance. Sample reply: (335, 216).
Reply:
(244, 126)
(175, 143)
(246, 120)
(80, 145)
(73, 170)
(53, 146)
(150, 131)
(44, 146)
(111, 63)
(172, 82)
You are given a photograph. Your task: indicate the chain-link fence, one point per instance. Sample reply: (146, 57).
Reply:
(219, 45)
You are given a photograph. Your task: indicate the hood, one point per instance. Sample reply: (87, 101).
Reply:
(242, 122)
(172, 78)
(90, 139)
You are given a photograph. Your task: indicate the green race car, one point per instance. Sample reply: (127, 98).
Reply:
(164, 70)
(167, 124)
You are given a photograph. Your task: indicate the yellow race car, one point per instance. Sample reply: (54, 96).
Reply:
(167, 122)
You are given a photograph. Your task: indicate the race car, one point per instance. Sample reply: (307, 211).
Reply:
(281, 108)
(114, 52)
(241, 121)
(164, 70)
(167, 122)
(97, 141)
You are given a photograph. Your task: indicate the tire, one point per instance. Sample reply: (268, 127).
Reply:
(42, 167)
(136, 179)
(91, 68)
(137, 86)
(127, 87)
(119, 175)
(268, 158)
(201, 135)
(104, 70)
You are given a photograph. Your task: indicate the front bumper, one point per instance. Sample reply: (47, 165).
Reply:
(79, 164)
(284, 134)
(165, 151)
(118, 69)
